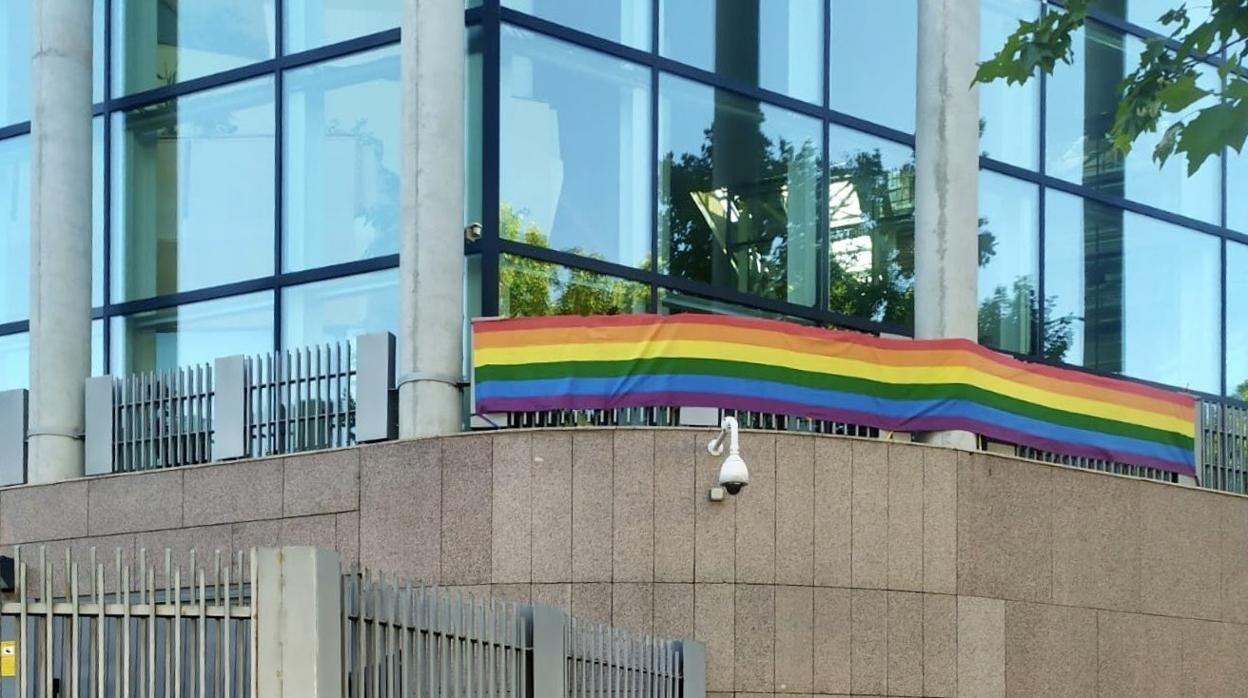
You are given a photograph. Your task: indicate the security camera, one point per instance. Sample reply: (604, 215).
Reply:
(733, 475)
(472, 232)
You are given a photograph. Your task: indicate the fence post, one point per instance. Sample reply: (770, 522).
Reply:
(229, 408)
(374, 388)
(693, 669)
(14, 405)
(298, 631)
(549, 655)
(99, 425)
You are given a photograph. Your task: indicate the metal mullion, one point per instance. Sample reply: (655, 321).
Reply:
(17, 327)
(19, 129)
(1042, 147)
(823, 293)
(490, 155)
(279, 157)
(252, 70)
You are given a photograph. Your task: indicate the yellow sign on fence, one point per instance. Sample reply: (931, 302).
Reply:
(8, 659)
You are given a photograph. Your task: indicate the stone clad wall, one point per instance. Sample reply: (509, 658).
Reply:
(847, 567)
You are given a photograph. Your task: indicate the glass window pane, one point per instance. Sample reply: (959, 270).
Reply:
(874, 53)
(1237, 181)
(738, 192)
(474, 125)
(1147, 13)
(1130, 294)
(672, 302)
(1008, 262)
(337, 310)
(98, 51)
(97, 211)
(871, 228)
(775, 44)
(192, 186)
(157, 42)
(1009, 115)
(16, 29)
(341, 155)
(97, 347)
(621, 21)
(14, 229)
(192, 334)
(575, 146)
(15, 361)
(313, 23)
(529, 288)
(1081, 102)
(1237, 320)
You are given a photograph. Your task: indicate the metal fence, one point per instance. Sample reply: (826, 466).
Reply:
(405, 642)
(668, 417)
(282, 622)
(300, 400)
(328, 396)
(159, 419)
(426, 642)
(604, 661)
(1222, 445)
(128, 631)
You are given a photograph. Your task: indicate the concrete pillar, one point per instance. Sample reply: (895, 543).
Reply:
(946, 179)
(298, 601)
(432, 205)
(60, 246)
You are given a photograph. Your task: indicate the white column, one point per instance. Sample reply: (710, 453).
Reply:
(60, 246)
(432, 204)
(946, 179)
(298, 601)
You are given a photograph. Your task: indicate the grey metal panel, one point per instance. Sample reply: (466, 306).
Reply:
(374, 405)
(693, 666)
(13, 417)
(549, 654)
(229, 413)
(99, 421)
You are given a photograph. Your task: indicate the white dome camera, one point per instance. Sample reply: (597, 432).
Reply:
(733, 475)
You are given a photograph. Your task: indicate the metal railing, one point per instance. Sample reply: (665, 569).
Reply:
(243, 630)
(424, 641)
(605, 661)
(162, 419)
(668, 417)
(328, 396)
(84, 630)
(300, 400)
(1104, 466)
(1222, 445)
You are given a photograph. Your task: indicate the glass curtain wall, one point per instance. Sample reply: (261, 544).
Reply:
(778, 180)
(660, 155)
(245, 190)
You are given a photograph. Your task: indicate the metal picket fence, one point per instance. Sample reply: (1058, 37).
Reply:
(1222, 445)
(605, 661)
(137, 628)
(414, 642)
(162, 419)
(300, 400)
(327, 396)
(428, 642)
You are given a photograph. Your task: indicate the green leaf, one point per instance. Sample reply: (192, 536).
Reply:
(1181, 93)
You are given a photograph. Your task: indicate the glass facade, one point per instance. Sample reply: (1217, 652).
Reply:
(731, 156)
(245, 178)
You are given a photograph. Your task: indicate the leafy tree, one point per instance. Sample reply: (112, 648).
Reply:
(1241, 391)
(534, 288)
(1166, 87)
(1013, 312)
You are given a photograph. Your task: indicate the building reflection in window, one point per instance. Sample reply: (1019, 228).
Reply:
(738, 192)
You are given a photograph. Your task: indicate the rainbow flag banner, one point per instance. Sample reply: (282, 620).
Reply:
(547, 363)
